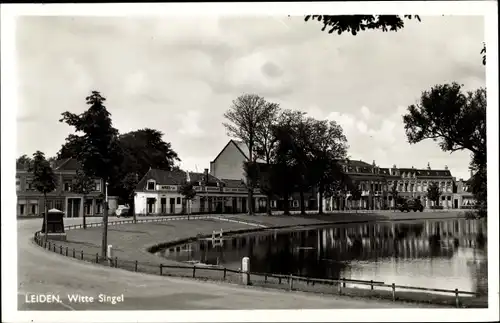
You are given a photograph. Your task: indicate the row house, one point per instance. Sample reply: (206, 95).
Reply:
(376, 185)
(30, 202)
(159, 192)
(228, 165)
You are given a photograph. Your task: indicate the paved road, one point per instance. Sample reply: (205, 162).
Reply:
(42, 273)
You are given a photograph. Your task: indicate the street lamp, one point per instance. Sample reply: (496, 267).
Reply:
(106, 192)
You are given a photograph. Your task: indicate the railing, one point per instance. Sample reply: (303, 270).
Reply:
(280, 281)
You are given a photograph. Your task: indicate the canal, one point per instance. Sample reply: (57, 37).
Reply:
(444, 254)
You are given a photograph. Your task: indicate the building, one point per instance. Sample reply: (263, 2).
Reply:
(463, 198)
(376, 184)
(159, 192)
(30, 202)
(228, 165)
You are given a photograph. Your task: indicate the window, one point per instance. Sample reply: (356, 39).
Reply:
(443, 198)
(178, 200)
(21, 209)
(29, 185)
(449, 198)
(67, 187)
(151, 186)
(295, 203)
(273, 203)
(18, 184)
(58, 205)
(33, 209)
(97, 185)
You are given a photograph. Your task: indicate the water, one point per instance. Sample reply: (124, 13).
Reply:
(444, 254)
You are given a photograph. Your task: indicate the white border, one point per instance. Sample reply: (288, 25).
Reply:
(8, 60)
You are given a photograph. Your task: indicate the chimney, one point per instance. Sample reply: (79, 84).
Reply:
(206, 175)
(394, 166)
(445, 167)
(428, 166)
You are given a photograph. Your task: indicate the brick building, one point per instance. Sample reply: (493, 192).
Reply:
(30, 202)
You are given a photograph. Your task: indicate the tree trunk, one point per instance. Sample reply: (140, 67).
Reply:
(320, 197)
(302, 206)
(45, 215)
(84, 217)
(250, 197)
(132, 209)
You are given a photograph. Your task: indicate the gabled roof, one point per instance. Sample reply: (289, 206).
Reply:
(66, 164)
(241, 146)
(173, 177)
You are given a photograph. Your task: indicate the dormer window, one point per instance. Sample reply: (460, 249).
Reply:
(151, 185)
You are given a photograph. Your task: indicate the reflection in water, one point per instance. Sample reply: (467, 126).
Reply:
(436, 254)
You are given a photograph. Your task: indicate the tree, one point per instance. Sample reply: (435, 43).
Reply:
(394, 192)
(246, 116)
(98, 149)
(44, 180)
(434, 193)
(357, 23)
(127, 191)
(83, 184)
(483, 52)
(356, 194)
(24, 162)
(457, 120)
(189, 193)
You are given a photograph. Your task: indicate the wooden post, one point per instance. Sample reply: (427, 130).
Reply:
(194, 271)
(66, 251)
(73, 252)
(371, 284)
(339, 287)
(393, 292)
(60, 250)
(82, 254)
(457, 300)
(265, 278)
(343, 282)
(161, 269)
(54, 247)
(291, 282)
(136, 265)
(97, 258)
(224, 273)
(279, 280)
(49, 244)
(116, 262)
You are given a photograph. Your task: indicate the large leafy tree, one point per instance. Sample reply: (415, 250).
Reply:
(83, 184)
(97, 149)
(457, 120)
(246, 116)
(24, 161)
(357, 23)
(44, 180)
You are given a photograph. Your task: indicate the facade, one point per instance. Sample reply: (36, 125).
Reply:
(376, 185)
(463, 197)
(30, 202)
(159, 192)
(228, 165)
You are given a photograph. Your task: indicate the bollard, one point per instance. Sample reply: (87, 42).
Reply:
(109, 254)
(73, 252)
(82, 254)
(245, 269)
(265, 278)
(54, 247)
(136, 265)
(49, 245)
(45, 245)
(66, 251)
(371, 284)
(96, 258)
(393, 292)
(194, 271)
(161, 269)
(457, 301)
(279, 280)
(116, 262)
(343, 282)
(339, 288)
(291, 282)
(224, 273)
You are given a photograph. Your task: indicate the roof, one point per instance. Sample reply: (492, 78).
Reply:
(66, 164)
(242, 147)
(173, 177)
(233, 183)
(426, 172)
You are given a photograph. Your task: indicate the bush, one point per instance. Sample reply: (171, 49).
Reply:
(436, 207)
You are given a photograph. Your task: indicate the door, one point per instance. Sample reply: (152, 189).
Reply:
(456, 204)
(235, 205)
(244, 205)
(172, 205)
(163, 205)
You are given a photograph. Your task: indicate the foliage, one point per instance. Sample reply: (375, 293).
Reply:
(357, 23)
(458, 121)
(44, 179)
(356, 192)
(187, 190)
(83, 184)
(24, 162)
(97, 149)
(433, 192)
(483, 52)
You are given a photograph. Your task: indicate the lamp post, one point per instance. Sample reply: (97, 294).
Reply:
(104, 246)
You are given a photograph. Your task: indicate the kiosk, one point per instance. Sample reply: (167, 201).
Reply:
(54, 228)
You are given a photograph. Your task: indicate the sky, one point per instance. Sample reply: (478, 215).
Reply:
(179, 75)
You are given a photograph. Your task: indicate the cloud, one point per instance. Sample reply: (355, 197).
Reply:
(365, 112)
(189, 124)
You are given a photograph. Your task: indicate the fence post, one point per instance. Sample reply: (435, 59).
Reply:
(279, 280)
(136, 265)
(82, 254)
(96, 258)
(339, 287)
(54, 247)
(161, 269)
(194, 271)
(393, 292)
(291, 282)
(116, 262)
(66, 251)
(371, 284)
(45, 245)
(457, 300)
(265, 278)
(73, 252)
(224, 273)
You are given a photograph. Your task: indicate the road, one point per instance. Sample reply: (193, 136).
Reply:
(41, 273)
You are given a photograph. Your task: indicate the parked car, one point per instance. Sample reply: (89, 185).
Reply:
(122, 211)
(411, 205)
